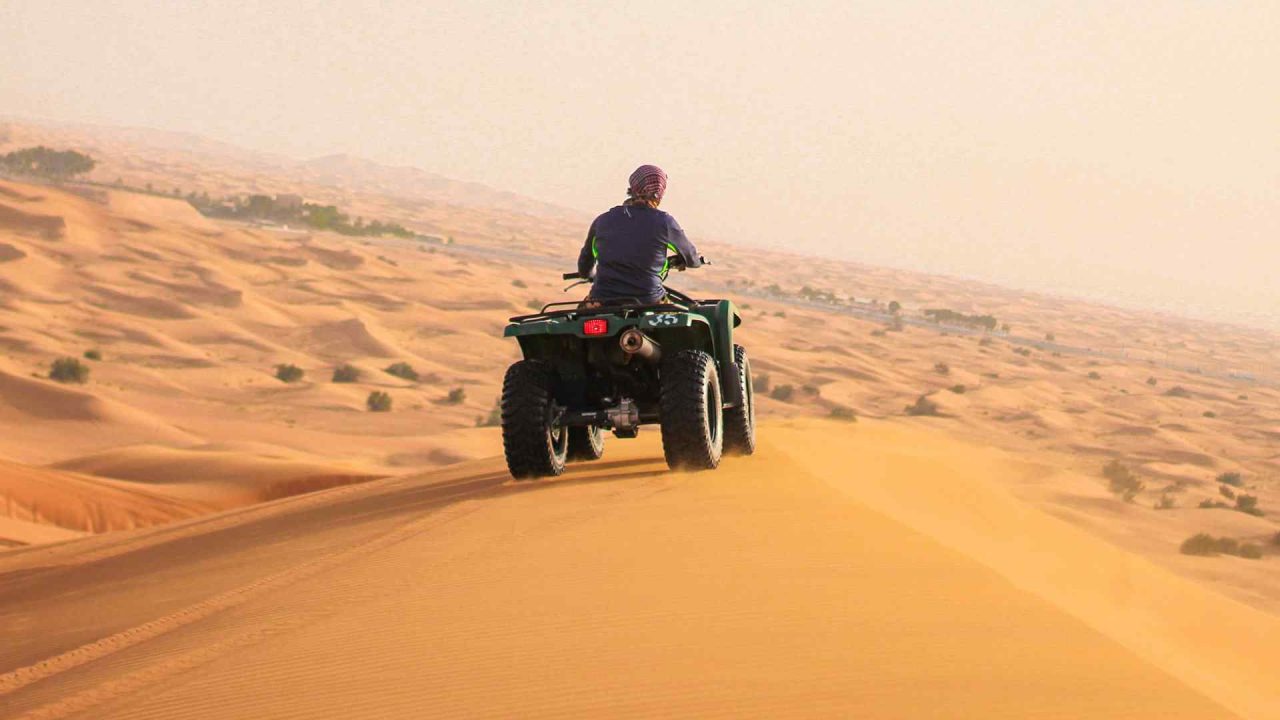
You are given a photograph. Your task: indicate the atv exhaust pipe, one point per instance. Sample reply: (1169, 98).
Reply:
(636, 343)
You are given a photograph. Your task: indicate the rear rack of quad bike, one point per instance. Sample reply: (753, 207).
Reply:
(628, 307)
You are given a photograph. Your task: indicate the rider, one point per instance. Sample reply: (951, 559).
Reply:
(630, 244)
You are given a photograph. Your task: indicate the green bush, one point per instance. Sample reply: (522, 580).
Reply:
(1121, 480)
(456, 396)
(923, 406)
(840, 412)
(93, 354)
(69, 370)
(1233, 479)
(289, 373)
(783, 393)
(1205, 544)
(1210, 414)
(378, 401)
(1248, 504)
(959, 389)
(346, 373)
(494, 418)
(518, 283)
(761, 383)
(402, 370)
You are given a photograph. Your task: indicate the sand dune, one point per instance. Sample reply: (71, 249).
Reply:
(782, 586)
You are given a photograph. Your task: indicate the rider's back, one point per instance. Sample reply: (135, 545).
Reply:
(630, 243)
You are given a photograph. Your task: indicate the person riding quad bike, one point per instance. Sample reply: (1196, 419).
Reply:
(628, 246)
(633, 353)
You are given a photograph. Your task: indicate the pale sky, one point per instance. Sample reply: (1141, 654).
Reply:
(1128, 151)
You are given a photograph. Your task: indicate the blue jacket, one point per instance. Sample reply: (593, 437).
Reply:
(630, 244)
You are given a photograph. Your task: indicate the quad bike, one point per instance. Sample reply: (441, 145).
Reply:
(617, 366)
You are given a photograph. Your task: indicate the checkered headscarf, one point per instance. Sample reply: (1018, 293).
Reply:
(648, 182)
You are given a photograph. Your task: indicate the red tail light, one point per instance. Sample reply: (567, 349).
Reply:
(598, 326)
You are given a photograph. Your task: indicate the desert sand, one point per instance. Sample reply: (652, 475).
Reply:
(185, 534)
(779, 586)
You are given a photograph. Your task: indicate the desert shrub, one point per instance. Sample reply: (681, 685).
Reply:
(1227, 492)
(780, 313)
(923, 406)
(1200, 544)
(1151, 381)
(942, 368)
(1094, 375)
(840, 412)
(1276, 540)
(518, 283)
(958, 389)
(1248, 504)
(783, 392)
(813, 390)
(1210, 414)
(1177, 391)
(1250, 551)
(69, 370)
(985, 342)
(1242, 397)
(1205, 544)
(289, 373)
(1050, 337)
(1212, 504)
(760, 383)
(378, 401)
(402, 370)
(1233, 479)
(534, 304)
(878, 332)
(494, 418)
(1165, 502)
(1121, 480)
(456, 396)
(93, 354)
(346, 373)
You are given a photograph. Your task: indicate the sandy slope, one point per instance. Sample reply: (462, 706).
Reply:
(791, 584)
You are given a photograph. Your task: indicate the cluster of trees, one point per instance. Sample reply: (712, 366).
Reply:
(46, 163)
(943, 315)
(290, 209)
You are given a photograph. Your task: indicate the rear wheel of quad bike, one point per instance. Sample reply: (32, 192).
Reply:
(740, 421)
(692, 411)
(586, 443)
(535, 446)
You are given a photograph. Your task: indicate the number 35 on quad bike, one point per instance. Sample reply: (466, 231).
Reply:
(618, 366)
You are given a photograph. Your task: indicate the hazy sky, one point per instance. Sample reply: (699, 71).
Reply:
(1125, 150)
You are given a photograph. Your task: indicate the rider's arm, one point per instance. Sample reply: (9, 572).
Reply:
(680, 243)
(587, 258)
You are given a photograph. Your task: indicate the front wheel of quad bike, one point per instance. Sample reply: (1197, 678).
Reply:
(740, 421)
(586, 443)
(692, 411)
(534, 444)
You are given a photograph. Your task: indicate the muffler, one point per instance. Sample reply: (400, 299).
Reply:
(636, 343)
